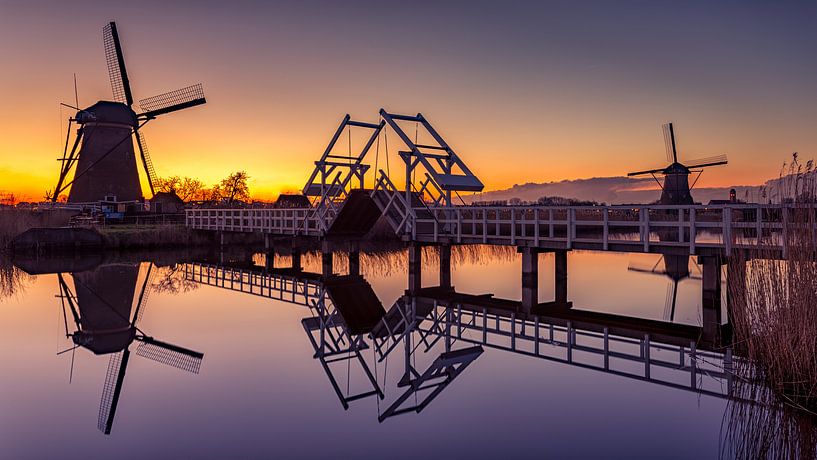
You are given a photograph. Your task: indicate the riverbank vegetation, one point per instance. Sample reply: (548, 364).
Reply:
(773, 308)
(15, 221)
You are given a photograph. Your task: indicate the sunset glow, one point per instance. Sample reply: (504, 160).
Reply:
(522, 93)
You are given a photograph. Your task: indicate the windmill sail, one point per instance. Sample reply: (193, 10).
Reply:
(709, 161)
(172, 101)
(169, 354)
(146, 161)
(114, 379)
(116, 65)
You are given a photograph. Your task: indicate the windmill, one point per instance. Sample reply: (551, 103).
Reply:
(102, 154)
(675, 187)
(100, 305)
(676, 268)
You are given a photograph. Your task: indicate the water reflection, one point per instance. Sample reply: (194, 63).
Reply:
(759, 425)
(435, 333)
(392, 351)
(102, 308)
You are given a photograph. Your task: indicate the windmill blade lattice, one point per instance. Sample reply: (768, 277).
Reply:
(171, 355)
(172, 101)
(141, 142)
(107, 406)
(116, 65)
(709, 161)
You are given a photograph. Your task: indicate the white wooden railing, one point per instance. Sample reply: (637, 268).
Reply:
(295, 221)
(618, 228)
(639, 228)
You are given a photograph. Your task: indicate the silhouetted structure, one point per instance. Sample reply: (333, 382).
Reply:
(675, 189)
(106, 163)
(101, 306)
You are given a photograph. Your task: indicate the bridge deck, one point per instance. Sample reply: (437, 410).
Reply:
(693, 230)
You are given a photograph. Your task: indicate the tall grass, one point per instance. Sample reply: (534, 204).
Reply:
(774, 302)
(13, 281)
(773, 310)
(15, 221)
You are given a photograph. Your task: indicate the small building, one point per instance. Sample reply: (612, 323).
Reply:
(166, 203)
(289, 201)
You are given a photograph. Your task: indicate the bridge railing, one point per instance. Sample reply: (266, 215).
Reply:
(720, 226)
(292, 221)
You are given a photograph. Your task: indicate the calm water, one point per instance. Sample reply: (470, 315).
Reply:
(260, 390)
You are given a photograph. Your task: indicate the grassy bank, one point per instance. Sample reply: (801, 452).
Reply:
(152, 236)
(16, 221)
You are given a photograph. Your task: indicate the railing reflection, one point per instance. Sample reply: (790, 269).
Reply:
(448, 331)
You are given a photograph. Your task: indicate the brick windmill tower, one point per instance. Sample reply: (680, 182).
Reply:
(102, 156)
(675, 189)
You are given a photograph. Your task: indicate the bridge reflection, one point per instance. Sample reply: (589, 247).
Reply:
(446, 331)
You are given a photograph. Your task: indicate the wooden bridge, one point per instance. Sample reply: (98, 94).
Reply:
(427, 207)
(692, 230)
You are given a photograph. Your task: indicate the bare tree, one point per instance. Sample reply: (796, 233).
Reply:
(233, 187)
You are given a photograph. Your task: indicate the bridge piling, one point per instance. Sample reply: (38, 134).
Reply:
(354, 261)
(296, 259)
(711, 297)
(560, 285)
(415, 267)
(326, 260)
(445, 265)
(530, 278)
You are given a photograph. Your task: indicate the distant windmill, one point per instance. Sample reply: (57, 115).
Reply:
(106, 162)
(675, 187)
(100, 306)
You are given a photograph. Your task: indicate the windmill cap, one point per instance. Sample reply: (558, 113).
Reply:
(676, 168)
(107, 112)
(101, 343)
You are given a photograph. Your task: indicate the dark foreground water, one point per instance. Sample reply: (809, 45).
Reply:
(263, 389)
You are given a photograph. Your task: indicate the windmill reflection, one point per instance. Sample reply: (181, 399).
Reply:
(676, 268)
(106, 304)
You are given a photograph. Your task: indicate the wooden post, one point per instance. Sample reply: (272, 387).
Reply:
(296, 259)
(354, 262)
(445, 265)
(415, 269)
(711, 298)
(327, 268)
(560, 285)
(530, 278)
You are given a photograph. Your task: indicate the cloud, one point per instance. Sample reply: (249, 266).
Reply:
(611, 190)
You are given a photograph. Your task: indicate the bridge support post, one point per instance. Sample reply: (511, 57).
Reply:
(560, 285)
(445, 265)
(736, 285)
(326, 260)
(296, 259)
(415, 268)
(354, 262)
(530, 278)
(269, 258)
(711, 297)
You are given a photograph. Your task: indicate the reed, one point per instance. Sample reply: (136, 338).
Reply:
(773, 303)
(758, 425)
(13, 281)
(16, 221)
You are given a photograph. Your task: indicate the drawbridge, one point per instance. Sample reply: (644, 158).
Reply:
(422, 203)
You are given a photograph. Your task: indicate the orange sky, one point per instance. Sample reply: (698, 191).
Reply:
(522, 94)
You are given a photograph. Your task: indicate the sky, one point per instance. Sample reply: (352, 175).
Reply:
(522, 91)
